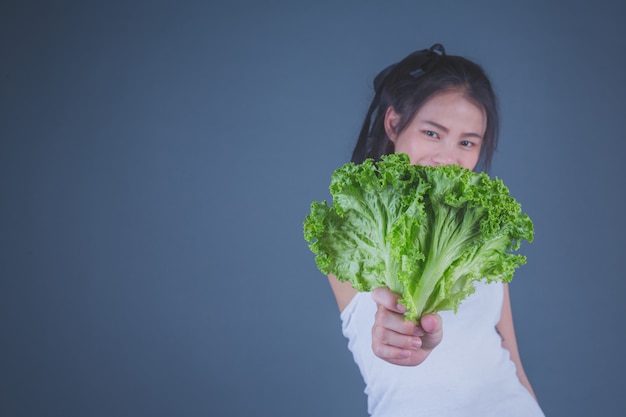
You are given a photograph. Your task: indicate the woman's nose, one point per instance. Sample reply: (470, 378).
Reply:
(445, 157)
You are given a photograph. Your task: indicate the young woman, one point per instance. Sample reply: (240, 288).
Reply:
(438, 109)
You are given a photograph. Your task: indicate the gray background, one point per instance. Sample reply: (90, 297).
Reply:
(157, 160)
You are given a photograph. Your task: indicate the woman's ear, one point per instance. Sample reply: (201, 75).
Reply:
(392, 119)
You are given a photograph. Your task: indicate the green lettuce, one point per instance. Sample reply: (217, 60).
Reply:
(427, 233)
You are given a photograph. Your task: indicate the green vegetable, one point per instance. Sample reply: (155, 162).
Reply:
(426, 233)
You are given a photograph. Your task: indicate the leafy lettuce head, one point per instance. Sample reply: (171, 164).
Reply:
(427, 233)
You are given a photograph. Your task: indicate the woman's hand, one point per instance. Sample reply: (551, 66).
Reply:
(397, 340)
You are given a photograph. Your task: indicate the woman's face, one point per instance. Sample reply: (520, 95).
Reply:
(447, 130)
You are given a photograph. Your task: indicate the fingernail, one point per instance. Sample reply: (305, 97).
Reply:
(401, 308)
(419, 331)
(417, 343)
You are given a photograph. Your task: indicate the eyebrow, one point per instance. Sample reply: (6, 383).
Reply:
(464, 135)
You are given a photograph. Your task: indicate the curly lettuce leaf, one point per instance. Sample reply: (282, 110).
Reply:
(426, 233)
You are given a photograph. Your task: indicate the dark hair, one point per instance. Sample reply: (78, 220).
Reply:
(408, 84)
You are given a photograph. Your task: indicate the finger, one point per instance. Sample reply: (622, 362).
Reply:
(390, 353)
(433, 331)
(399, 356)
(396, 322)
(431, 323)
(383, 296)
(383, 336)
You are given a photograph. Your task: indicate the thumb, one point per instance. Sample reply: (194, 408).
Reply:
(431, 323)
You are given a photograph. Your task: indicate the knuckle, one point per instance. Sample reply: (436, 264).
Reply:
(376, 332)
(380, 335)
(378, 350)
(408, 327)
(381, 316)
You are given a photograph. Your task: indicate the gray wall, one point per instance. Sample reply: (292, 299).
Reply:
(157, 160)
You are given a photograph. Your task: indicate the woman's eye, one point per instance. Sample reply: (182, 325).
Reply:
(466, 144)
(431, 133)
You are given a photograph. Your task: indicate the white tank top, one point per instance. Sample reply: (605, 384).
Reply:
(468, 374)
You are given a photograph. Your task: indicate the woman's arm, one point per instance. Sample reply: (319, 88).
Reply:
(507, 332)
(343, 292)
